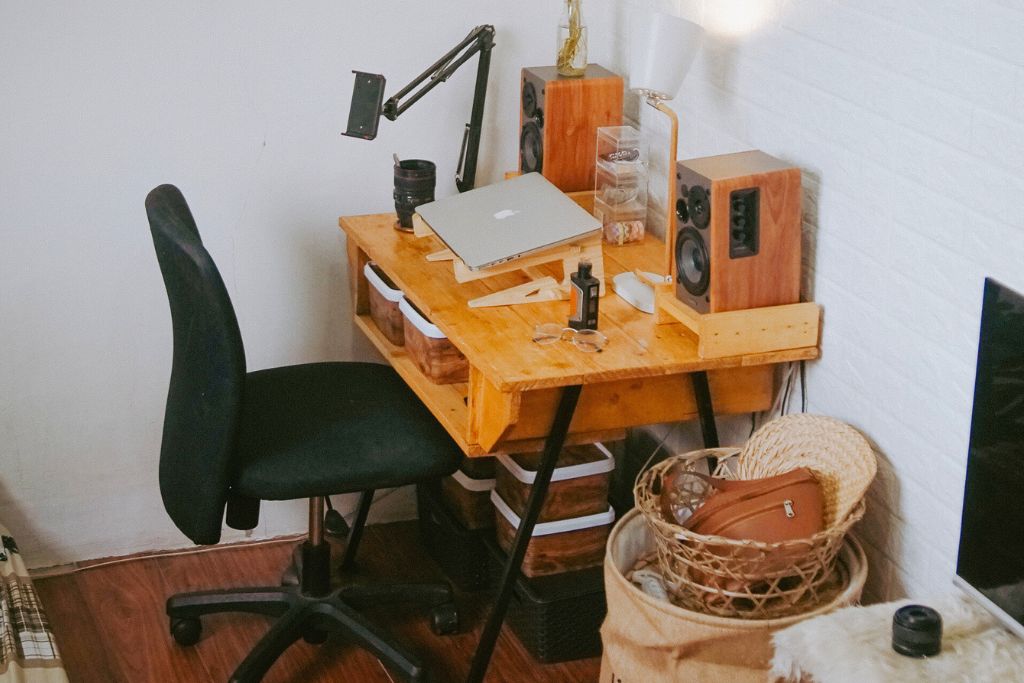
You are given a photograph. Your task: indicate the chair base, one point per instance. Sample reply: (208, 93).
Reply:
(307, 614)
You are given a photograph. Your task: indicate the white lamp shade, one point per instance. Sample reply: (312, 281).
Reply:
(661, 49)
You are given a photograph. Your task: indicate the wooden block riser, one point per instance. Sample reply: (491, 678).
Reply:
(755, 330)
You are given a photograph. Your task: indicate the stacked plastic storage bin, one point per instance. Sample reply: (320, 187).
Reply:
(620, 184)
(456, 521)
(558, 604)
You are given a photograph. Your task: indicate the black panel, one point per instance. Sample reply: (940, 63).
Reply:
(531, 138)
(531, 148)
(367, 99)
(991, 557)
(692, 263)
(744, 222)
(693, 238)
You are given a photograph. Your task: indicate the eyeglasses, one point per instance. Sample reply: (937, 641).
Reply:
(588, 341)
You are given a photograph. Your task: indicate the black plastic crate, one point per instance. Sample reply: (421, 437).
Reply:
(558, 617)
(461, 553)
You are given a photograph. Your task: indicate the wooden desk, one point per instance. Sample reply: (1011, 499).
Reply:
(640, 378)
(525, 397)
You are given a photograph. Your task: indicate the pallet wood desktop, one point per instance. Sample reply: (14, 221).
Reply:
(507, 404)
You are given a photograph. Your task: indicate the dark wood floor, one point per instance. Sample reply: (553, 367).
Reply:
(110, 624)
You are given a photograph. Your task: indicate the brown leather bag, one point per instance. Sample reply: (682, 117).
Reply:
(781, 508)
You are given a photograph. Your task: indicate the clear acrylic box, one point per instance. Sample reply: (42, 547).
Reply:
(620, 183)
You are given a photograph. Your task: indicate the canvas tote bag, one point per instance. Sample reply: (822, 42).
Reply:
(647, 640)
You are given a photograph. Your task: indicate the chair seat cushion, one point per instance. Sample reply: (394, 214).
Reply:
(326, 428)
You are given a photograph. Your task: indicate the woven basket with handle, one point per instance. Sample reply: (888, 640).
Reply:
(752, 579)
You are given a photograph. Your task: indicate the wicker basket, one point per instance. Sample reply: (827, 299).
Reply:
(840, 457)
(752, 579)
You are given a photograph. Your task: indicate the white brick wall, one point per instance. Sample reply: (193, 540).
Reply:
(905, 118)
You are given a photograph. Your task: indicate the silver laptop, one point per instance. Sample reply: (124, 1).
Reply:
(506, 220)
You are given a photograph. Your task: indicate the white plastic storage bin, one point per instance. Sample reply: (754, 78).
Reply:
(430, 349)
(564, 545)
(579, 483)
(384, 299)
(469, 499)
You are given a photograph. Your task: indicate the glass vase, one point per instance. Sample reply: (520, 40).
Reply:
(571, 57)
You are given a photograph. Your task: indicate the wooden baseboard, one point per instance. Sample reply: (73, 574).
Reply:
(72, 567)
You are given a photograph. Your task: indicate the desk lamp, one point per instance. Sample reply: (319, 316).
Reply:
(662, 49)
(368, 98)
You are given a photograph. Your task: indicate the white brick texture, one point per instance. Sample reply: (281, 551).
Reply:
(905, 118)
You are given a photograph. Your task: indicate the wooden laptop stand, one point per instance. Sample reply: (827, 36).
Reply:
(541, 287)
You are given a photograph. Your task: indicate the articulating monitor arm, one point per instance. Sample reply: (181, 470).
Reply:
(367, 96)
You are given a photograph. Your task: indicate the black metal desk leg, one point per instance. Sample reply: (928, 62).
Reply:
(705, 410)
(552, 447)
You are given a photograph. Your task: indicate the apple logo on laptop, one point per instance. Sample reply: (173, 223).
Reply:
(505, 213)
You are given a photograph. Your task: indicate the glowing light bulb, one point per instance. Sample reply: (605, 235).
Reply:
(736, 17)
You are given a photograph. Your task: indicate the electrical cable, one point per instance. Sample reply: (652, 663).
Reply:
(786, 392)
(657, 448)
(803, 386)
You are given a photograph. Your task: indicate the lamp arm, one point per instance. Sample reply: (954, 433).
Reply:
(670, 233)
(480, 40)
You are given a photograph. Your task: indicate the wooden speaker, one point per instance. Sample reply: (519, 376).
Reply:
(737, 240)
(558, 121)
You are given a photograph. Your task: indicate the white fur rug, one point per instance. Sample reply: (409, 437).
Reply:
(854, 645)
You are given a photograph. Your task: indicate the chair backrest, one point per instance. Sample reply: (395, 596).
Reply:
(207, 373)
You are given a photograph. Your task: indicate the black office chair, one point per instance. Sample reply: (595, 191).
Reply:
(233, 438)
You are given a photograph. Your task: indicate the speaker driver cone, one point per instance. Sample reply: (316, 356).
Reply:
(699, 204)
(692, 261)
(531, 148)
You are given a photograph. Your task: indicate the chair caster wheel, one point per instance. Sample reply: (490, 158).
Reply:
(186, 631)
(315, 636)
(444, 619)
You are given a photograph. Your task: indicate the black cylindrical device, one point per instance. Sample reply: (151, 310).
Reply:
(584, 293)
(414, 185)
(917, 631)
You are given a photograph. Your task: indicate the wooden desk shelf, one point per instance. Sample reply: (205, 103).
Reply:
(642, 377)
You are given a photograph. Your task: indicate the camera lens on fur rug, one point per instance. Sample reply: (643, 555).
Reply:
(917, 631)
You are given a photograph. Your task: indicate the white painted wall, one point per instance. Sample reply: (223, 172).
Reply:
(905, 118)
(240, 104)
